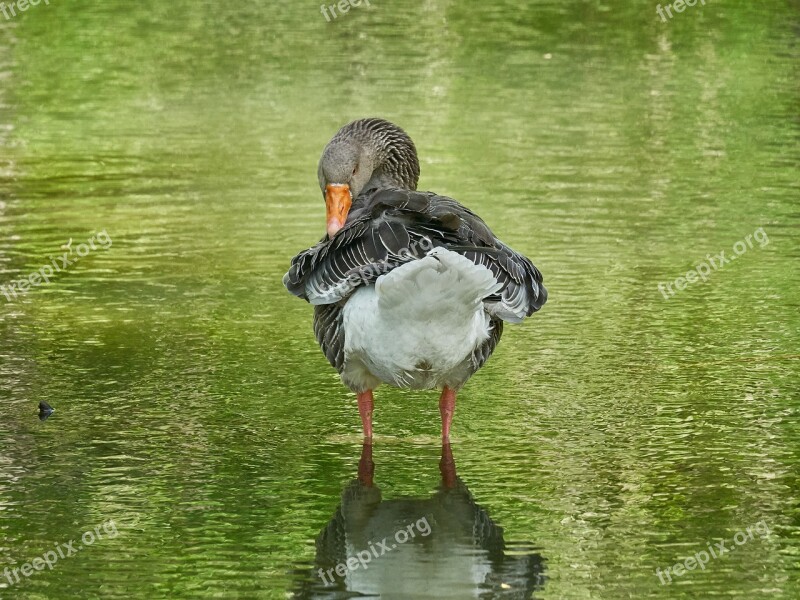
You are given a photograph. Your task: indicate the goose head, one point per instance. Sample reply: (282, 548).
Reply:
(364, 154)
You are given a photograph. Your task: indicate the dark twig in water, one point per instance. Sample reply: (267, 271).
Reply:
(45, 410)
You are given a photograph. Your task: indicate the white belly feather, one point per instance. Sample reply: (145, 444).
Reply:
(419, 324)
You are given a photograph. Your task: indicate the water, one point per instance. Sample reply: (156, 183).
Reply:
(617, 432)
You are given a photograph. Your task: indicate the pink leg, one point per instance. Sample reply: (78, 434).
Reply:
(447, 406)
(365, 407)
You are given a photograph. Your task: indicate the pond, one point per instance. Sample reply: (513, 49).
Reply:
(159, 158)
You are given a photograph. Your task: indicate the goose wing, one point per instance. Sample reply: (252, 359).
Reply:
(391, 227)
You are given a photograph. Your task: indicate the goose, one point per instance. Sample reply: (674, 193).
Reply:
(409, 288)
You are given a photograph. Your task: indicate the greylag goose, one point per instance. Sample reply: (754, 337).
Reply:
(409, 288)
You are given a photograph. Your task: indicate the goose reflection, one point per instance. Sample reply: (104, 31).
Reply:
(445, 546)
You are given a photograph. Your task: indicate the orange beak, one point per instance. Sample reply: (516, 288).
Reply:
(337, 204)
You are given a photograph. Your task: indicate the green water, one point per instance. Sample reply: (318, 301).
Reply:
(615, 433)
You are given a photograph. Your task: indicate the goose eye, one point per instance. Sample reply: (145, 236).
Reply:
(355, 169)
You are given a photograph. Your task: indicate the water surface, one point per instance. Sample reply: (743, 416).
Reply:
(617, 432)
